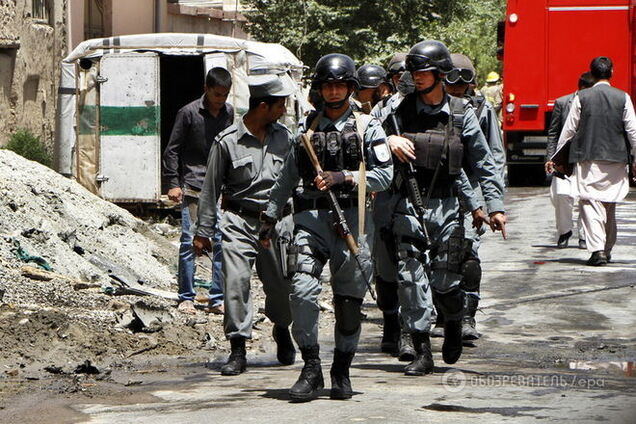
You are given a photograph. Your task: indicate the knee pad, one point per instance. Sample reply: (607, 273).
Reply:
(303, 259)
(471, 275)
(347, 311)
(387, 294)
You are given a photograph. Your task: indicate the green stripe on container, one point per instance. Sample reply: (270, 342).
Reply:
(129, 120)
(87, 119)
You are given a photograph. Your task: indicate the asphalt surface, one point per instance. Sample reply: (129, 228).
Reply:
(558, 346)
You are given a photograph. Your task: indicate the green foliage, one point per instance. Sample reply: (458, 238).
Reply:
(371, 31)
(24, 143)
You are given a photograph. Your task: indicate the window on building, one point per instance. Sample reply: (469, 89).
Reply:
(41, 10)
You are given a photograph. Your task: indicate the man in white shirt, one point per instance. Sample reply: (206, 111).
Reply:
(601, 127)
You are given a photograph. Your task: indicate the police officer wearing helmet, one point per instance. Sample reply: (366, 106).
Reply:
(457, 83)
(439, 135)
(342, 139)
(372, 86)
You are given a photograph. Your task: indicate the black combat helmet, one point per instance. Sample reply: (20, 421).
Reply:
(429, 55)
(397, 64)
(335, 67)
(371, 76)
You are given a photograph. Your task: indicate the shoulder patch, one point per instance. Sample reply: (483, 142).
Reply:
(382, 152)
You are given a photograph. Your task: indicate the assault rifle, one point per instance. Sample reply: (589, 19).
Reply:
(340, 222)
(413, 187)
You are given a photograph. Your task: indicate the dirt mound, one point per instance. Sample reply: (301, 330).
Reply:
(55, 218)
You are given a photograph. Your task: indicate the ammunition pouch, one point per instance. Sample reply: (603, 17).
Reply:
(431, 148)
(457, 248)
(335, 150)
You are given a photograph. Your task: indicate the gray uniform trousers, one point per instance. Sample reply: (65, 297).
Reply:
(418, 271)
(241, 250)
(317, 241)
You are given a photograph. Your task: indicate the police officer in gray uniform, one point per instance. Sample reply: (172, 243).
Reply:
(439, 135)
(342, 139)
(457, 83)
(243, 165)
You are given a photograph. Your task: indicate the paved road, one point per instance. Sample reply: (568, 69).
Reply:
(558, 347)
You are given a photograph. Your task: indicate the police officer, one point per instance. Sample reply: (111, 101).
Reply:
(244, 163)
(457, 83)
(373, 86)
(442, 135)
(342, 139)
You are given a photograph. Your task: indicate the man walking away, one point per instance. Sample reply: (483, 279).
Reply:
(602, 129)
(562, 188)
(184, 165)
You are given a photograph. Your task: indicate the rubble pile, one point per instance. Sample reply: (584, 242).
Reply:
(56, 310)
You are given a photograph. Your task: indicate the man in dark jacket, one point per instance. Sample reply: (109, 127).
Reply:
(184, 165)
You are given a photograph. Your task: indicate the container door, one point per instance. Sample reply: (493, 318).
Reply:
(129, 117)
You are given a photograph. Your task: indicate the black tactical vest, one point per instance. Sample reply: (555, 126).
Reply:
(336, 151)
(437, 140)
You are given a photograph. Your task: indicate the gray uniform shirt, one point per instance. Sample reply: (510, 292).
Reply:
(244, 169)
(379, 165)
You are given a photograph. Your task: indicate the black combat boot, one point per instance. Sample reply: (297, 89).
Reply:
(285, 352)
(469, 332)
(340, 382)
(237, 361)
(423, 362)
(390, 333)
(407, 351)
(310, 381)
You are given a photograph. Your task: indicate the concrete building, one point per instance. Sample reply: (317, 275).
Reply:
(32, 43)
(35, 35)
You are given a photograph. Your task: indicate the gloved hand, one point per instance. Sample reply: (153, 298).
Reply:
(266, 230)
(328, 179)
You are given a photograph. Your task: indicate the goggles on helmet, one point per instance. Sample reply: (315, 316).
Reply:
(419, 62)
(457, 74)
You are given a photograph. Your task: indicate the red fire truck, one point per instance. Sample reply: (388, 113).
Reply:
(547, 44)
